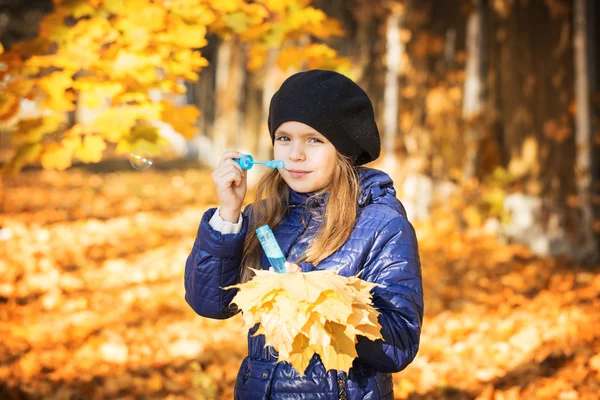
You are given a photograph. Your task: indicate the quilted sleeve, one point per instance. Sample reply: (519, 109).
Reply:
(394, 264)
(213, 264)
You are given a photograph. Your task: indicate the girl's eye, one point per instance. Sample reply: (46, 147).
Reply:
(315, 140)
(282, 138)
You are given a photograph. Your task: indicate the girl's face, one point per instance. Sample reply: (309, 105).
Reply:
(309, 158)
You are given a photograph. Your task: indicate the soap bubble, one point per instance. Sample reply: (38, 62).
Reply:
(140, 159)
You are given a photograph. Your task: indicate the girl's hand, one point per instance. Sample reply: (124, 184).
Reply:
(291, 267)
(230, 183)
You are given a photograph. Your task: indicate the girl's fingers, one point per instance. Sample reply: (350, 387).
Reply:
(233, 163)
(291, 267)
(229, 155)
(232, 176)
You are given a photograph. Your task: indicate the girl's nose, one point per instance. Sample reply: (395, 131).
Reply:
(297, 153)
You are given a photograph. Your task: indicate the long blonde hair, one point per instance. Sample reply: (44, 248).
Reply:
(270, 207)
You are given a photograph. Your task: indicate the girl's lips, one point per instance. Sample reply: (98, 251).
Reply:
(298, 174)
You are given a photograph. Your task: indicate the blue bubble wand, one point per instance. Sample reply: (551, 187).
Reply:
(246, 161)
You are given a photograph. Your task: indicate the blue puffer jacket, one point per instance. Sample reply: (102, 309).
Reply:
(383, 245)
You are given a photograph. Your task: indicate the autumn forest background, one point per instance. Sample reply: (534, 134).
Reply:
(489, 112)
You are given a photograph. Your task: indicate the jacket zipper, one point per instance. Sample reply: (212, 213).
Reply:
(342, 389)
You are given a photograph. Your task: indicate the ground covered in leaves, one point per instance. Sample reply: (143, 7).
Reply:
(92, 307)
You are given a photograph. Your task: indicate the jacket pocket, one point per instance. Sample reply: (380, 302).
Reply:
(254, 380)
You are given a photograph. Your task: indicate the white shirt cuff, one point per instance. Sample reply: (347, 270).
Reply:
(225, 227)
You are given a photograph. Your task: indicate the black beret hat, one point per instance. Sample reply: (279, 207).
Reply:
(332, 104)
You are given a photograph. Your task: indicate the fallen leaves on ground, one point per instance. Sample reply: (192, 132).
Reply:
(91, 301)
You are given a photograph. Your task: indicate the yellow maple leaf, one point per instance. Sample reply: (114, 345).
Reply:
(114, 123)
(94, 94)
(72, 142)
(237, 21)
(32, 130)
(77, 9)
(57, 156)
(333, 359)
(127, 63)
(193, 12)
(55, 85)
(133, 36)
(131, 98)
(53, 28)
(301, 353)
(256, 57)
(257, 12)
(227, 6)
(182, 119)
(185, 63)
(317, 333)
(91, 149)
(278, 6)
(143, 139)
(329, 303)
(291, 57)
(150, 17)
(325, 28)
(183, 34)
(298, 18)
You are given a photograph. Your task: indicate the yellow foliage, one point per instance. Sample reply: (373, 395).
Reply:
(301, 314)
(76, 9)
(114, 123)
(314, 56)
(278, 6)
(438, 101)
(182, 34)
(107, 53)
(25, 154)
(55, 85)
(227, 6)
(256, 57)
(32, 130)
(148, 17)
(143, 140)
(9, 104)
(182, 119)
(57, 156)
(93, 93)
(91, 149)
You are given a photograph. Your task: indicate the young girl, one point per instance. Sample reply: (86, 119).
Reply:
(327, 212)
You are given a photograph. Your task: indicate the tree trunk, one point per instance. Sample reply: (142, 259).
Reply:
(394, 53)
(252, 112)
(594, 80)
(583, 133)
(202, 95)
(231, 68)
(473, 103)
(535, 69)
(272, 76)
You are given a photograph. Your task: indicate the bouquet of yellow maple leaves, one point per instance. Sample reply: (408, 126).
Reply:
(301, 314)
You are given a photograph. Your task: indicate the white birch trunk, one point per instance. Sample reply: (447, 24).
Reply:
(583, 134)
(474, 86)
(394, 53)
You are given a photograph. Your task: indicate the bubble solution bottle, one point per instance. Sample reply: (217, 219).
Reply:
(271, 247)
